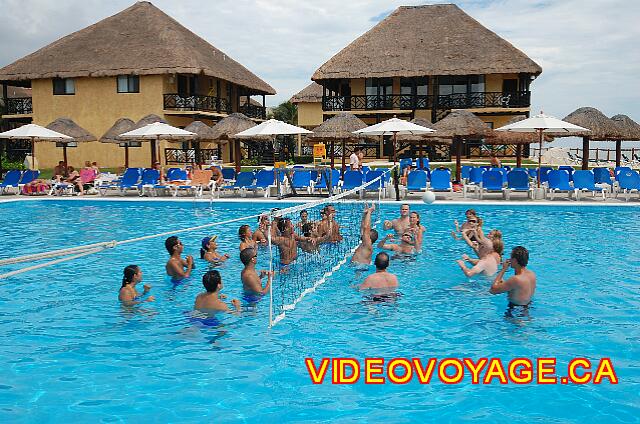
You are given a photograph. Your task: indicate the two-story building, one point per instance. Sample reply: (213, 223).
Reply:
(424, 61)
(132, 64)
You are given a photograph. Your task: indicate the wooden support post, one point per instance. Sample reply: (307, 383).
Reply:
(585, 153)
(618, 152)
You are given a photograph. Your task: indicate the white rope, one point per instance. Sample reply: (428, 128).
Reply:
(54, 253)
(57, 261)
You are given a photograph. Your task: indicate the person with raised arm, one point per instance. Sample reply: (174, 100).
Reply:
(368, 236)
(520, 287)
(400, 224)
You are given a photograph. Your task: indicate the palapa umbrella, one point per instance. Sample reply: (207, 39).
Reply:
(519, 139)
(395, 127)
(204, 133)
(541, 124)
(227, 128)
(66, 126)
(150, 119)
(457, 126)
(600, 128)
(34, 133)
(112, 135)
(628, 130)
(273, 128)
(339, 127)
(157, 131)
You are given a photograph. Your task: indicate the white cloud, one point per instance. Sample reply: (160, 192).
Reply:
(588, 49)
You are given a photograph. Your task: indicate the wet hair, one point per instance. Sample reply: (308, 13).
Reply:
(211, 280)
(247, 254)
(416, 214)
(497, 234)
(282, 224)
(498, 245)
(382, 261)
(405, 204)
(242, 231)
(470, 212)
(170, 244)
(373, 235)
(520, 255)
(304, 211)
(128, 273)
(307, 229)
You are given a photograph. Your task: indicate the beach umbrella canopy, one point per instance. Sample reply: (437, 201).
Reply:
(542, 124)
(517, 138)
(272, 127)
(34, 133)
(157, 131)
(112, 135)
(149, 119)
(395, 127)
(66, 126)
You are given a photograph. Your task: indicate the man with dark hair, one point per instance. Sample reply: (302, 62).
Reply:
(328, 225)
(251, 280)
(287, 241)
(209, 301)
(399, 225)
(176, 267)
(368, 236)
(520, 287)
(354, 160)
(381, 279)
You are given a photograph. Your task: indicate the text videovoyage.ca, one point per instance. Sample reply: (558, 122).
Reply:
(459, 370)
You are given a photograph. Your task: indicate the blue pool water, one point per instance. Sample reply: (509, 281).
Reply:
(70, 353)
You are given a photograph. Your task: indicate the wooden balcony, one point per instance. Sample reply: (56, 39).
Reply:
(196, 103)
(19, 106)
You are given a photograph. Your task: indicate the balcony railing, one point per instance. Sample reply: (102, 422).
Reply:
(196, 103)
(19, 106)
(410, 102)
(189, 155)
(253, 111)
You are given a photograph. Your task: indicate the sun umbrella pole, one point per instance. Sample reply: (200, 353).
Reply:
(618, 152)
(33, 152)
(126, 155)
(344, 159)
(519, 155)
(64, 156)
(458, 158)
(153, 152)
(332, 154)
(540, 156)
(585, 153)
(397, 171)
(236, 148)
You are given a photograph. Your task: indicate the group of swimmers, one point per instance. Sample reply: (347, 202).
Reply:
(309, 235)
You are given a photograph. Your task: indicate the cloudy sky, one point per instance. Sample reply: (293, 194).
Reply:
(588, 49)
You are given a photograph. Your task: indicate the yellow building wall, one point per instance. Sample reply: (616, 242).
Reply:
(309, 114)
(498, 121)
(423, 113)
(493, 82)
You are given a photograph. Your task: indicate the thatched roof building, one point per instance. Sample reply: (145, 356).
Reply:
(139, 40)
(427, 40)
(68, 127)
(460, 123)
(312, 93)
(600, 127)
(627, 127)
(121, 126)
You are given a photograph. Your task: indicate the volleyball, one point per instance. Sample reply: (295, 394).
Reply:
(429, 197)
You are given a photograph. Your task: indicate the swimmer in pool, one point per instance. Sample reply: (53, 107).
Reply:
(368, 236)
(209, 301)
(478, 242)
(209, 251)
(400, 224)
(287, 241)
(417, 229)
(312, 241)
(251, 280)
(328, 225)
(488, 264)
(304, 219)
(260, 235)
(246, 238)
(470, 224)
(520, 287)
(128, 294)
(177, 268)
(381, 279)
(405, 247)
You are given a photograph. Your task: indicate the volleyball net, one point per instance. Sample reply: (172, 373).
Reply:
(308, 243)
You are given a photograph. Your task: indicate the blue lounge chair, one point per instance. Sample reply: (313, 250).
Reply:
(518, 181)
(465, 171)
(302, 181)
(129, 181)
(265, 180)
(474, 180)
(351, 180)
(618, 169)
(602, 176)
(404, 163)
(28, 176)
(544, 174)
(11, 180)
(335, 180)
(422, 164)
(492, 181)
(380, 186)
(585, 181)
(441, 180)
(150, 178)
(558, 180)
(417, 181)
(629, 182)
(229, 174)
(569, 169)
(243, 180)
(365, 169)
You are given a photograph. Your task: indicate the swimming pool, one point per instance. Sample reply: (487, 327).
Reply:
(70, 352)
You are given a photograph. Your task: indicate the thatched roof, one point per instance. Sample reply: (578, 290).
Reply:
(149, 119)
(627, 127)
(312, 93)
(228, 127)
(427, 40)
(510, 137)
(66, 126)
(204, 132)
(460, 123)
(339, 127)
(601, 127)
(121, 126)
(140, 40)
(422, 138)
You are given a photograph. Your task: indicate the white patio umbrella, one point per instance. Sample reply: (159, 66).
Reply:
(395, 126)
(34, 133)
(541, 124)
(272, 127)
(157, 131)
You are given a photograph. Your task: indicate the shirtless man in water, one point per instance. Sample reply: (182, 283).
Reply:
(381, 279)
(328, 225)
(401, 224)
(251, 280)
(520, 287)
(488, 264)
(210, 300)
(368, 236)
(407, 245)
(287, 241)
(176, 267)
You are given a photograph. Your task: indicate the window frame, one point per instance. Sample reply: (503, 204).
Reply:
(65, 86)
(133, 84)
